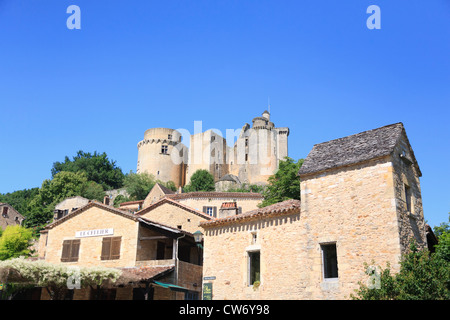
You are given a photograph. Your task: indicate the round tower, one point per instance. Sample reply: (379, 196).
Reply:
(162, 154)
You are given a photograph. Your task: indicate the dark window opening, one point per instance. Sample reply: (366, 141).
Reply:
(330, 265)
(408, 198)
(254, 267)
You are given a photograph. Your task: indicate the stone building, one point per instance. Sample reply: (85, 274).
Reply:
(252, 158)
(10, 216)
(360, 203)
(69, 205)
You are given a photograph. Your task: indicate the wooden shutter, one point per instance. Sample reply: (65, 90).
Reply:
(65, 251)
(74, 251)
(111, 248)
(106, 248)
(204, 209)
(115, 247)
(215, 212)
(70, 250)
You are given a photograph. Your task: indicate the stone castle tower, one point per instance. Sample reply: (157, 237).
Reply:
(155, 155)
(252, 159)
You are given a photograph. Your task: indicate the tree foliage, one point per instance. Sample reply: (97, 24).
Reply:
(138, 185)
(20, 199)
(201, 180)
(63, 185)
(284, 184)
(15, 242)
(97, 166)
(422, 276)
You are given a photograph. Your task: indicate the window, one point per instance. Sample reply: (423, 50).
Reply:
(246, 142)
(254, 237)
(329, 261)
(408, 198)
(5, 212)
(253, 267)
(169, 137)
(111, 248)
(70, 250)
(164, 149)
(191, 295)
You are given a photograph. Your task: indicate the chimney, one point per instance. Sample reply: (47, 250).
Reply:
(106, 200)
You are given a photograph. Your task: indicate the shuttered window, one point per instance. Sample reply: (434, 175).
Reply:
(70, 250)
(111, 248)
(211, 211)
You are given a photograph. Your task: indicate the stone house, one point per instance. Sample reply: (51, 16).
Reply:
(360, 203)
(157, 193)
(69, 205)
(10, 216)
(154, 258)
(211, 202)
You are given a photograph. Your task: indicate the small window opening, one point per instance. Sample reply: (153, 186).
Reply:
(254, 267)
(329, 260)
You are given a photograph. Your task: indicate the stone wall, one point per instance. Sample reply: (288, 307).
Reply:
(9, 216)
(354, 208)
(226, 258)
(411, 222)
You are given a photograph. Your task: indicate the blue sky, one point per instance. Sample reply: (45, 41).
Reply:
(141, 64)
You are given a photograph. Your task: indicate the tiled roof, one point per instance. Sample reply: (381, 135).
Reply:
(131, 202)
(220, 195)
(353, 149)
(165, 189)
(285, 207)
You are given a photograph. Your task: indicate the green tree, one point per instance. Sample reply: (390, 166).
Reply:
(15, 242)
(422, 276)
(284, 184)
(97, 166)
(201, 180)
(138, 185)
(444, 227)
(20, 199)
(63, 185)
(248, 188)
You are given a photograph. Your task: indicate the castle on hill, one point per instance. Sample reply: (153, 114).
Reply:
(252, 159)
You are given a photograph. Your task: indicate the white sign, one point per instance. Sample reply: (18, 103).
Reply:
(94, 233)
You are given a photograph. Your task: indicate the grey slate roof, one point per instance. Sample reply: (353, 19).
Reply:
(352, 149)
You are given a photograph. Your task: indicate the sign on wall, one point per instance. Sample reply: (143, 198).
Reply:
(94, 233)
(207, 291)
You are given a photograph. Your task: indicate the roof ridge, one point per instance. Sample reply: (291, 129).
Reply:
(173, 202)
(360, 133)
